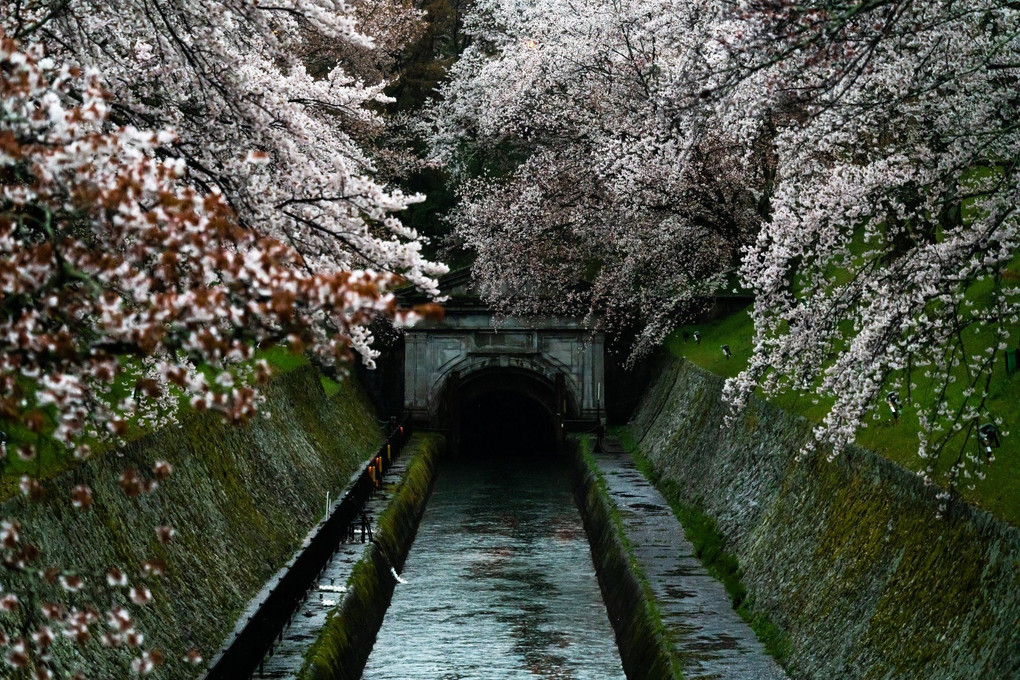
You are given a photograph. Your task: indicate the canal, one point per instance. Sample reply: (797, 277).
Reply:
(500, 581)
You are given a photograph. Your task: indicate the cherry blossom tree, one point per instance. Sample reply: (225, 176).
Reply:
(386, 138)
(888, 265)
(865, 153)
(231, 80)
(601, 189)
(393, 25)
(133, 253)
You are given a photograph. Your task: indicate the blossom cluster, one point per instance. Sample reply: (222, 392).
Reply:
(852, 165)
(249, 119)
(888, 264)
(594, 163)
(175, 191)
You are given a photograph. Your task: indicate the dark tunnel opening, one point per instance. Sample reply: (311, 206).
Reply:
(506, 423)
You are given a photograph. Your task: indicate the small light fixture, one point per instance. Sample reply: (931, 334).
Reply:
(988, 434)
(893, 400)
(697, 337)
(727, 352)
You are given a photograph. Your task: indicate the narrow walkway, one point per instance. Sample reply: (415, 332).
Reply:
(323, 597)
(713, 642)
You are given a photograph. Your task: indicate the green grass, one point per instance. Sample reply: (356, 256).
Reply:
(999, 492)
(709, 545)
(283, 360)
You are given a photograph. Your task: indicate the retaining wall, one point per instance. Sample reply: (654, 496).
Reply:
(644, 650)
(847, 557)
(242, 498)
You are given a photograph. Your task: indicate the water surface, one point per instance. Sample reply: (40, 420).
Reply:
(500, 583)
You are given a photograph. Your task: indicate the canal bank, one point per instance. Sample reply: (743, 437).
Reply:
(673, 618)
(333, 640)
(641, 637)
(556, 566)
(849, 559)
(240, 499)
(273, 634)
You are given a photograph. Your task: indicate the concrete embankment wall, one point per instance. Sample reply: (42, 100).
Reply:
(644, 650)
(345, 642)
(241, 500)
(848, 558)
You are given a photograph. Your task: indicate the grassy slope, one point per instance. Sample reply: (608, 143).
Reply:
(998, 493)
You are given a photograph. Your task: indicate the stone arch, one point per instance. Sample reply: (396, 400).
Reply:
(466, 392)
(560, 352)
(541, 380)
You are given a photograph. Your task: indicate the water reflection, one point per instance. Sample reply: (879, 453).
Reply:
(500, 583)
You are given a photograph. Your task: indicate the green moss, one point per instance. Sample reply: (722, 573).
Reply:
(953, 567)
(53, 458)
(642, 637)
(241, 499)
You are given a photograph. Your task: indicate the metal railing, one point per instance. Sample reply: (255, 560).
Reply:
(242, 657)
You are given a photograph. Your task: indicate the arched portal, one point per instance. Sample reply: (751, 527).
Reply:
(506, 424)
(503, 411)
(465, 369)
(553, 351)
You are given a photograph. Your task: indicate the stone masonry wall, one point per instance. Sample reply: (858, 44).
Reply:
(847, 557)
(242, 498)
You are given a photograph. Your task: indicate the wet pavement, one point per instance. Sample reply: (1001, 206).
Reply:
(711, 640)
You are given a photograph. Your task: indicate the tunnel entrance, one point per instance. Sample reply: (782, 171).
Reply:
(505, 423)
(503, 412)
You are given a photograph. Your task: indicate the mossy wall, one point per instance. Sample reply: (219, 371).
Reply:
(848, 558)
(345, 642)
(242, 498)
(644, 650)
